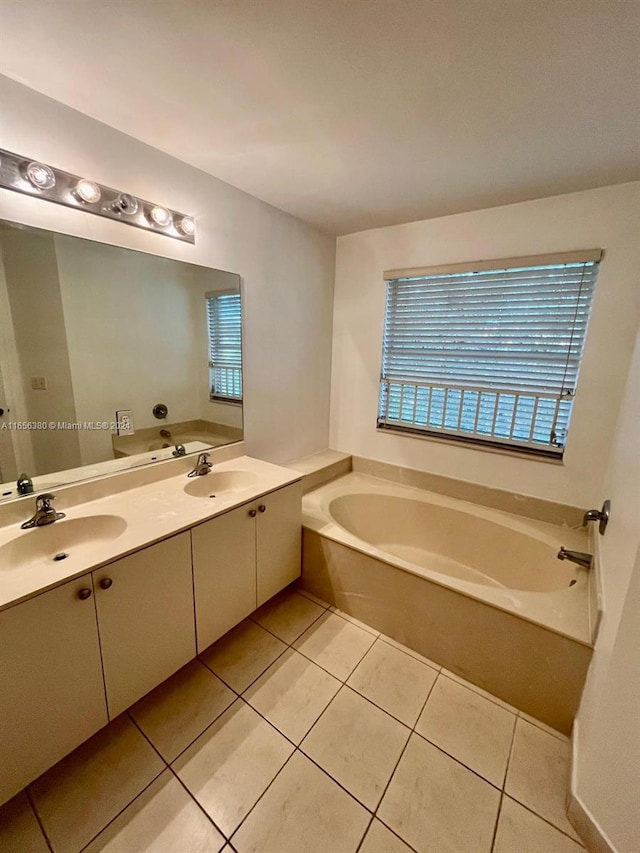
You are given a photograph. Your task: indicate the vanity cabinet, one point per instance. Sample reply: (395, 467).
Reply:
(51, 689)
(278, 540)
(243, 558)
(144, 604)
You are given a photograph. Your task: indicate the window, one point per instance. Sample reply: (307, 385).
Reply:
(224, 322)
(488, 352)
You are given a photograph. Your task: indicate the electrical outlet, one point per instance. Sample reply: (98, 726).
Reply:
(38, 383)
(124, 422)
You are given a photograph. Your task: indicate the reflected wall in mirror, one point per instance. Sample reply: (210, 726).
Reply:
(88, 330)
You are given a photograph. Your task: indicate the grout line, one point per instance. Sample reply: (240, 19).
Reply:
(37, 817)
(116, 816)
(251, 810)
(244, 689)
(544, 819)
(495, 826)
(365, 834)
(202, 809)
(314, 600)
(458, 761)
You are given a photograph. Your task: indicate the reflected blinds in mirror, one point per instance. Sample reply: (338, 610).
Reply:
(224, 324)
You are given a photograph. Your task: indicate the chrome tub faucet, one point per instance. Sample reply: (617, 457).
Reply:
(44, 514)
(577, 557)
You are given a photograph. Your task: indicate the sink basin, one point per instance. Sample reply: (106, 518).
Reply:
(219, 482)
(72, 537)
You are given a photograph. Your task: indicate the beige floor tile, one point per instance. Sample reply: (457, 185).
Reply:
(479, 690)
(303, 810)
(358, 745)
(231, 764)
(287, 615)
(379, 839)
(520, 831)
(162, 819)
(176, 712)
(436, 804)
(355, 621)
(78, 797)
(409, 651)
(393, 680)
(469, 727)
(312, 597)
(538, 774)
(335, 644)
(19, 828)
(292, 694)
(243, 654)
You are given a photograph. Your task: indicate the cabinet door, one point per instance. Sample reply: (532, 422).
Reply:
(224, 572)
(279, 527)
(145, 617)
(51, 689)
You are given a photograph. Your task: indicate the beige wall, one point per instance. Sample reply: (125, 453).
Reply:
(604, 218)
(41, 346)
(608, 745)
(286, 266)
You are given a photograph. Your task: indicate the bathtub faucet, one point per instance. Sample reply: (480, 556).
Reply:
(577, 557)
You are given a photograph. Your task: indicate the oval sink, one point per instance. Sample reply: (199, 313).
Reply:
(219, 482)
(55, 542)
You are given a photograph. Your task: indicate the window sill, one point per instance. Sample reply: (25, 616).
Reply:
(485, 447)
(226, 400)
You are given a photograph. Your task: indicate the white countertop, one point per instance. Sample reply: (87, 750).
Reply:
(152, 512)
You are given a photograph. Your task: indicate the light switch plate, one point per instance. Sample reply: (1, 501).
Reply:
(38, 383)
(124, 422)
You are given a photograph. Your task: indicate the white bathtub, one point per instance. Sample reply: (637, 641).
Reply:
(436, 572)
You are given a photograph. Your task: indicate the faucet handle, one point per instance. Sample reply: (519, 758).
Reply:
(45, 499)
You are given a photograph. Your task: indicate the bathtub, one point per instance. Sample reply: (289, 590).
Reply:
(476, 589)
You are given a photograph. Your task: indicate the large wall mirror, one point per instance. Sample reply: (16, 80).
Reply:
(88, 330)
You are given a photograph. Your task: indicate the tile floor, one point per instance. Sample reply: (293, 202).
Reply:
(304, 730)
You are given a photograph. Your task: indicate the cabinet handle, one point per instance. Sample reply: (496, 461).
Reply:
(252, 513)
(84, 593)
(262, 508)
(105, 583)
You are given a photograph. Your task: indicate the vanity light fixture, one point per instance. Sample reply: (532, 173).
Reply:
(87, 191)
(24, 175)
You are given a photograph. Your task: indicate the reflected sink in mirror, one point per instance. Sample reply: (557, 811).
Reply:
(73, 537)
(217, 483)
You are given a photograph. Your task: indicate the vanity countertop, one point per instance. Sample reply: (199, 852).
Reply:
(151, 512)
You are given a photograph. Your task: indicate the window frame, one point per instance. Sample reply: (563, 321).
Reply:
(507, 268)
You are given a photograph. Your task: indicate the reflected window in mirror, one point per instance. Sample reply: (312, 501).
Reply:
(224, 323)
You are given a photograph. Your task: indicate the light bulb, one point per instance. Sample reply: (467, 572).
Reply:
(160, 216)
(87, 191)
(40, 176)
(186, 225)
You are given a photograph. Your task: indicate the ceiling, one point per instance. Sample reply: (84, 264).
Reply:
(353, 114)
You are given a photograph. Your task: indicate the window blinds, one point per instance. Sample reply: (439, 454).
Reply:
(224, 322)
(491, 355)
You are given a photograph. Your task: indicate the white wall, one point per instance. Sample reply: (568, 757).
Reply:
(286, 266)
(608, 745)
(605, 218)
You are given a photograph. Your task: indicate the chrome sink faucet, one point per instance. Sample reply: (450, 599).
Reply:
(202, 466)
(44, 514)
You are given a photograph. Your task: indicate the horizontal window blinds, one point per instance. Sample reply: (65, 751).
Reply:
(489, 354)
(224, 322)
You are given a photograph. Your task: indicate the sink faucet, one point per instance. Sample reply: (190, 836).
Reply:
(44, 514)
(577, 557)
(202, 466)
